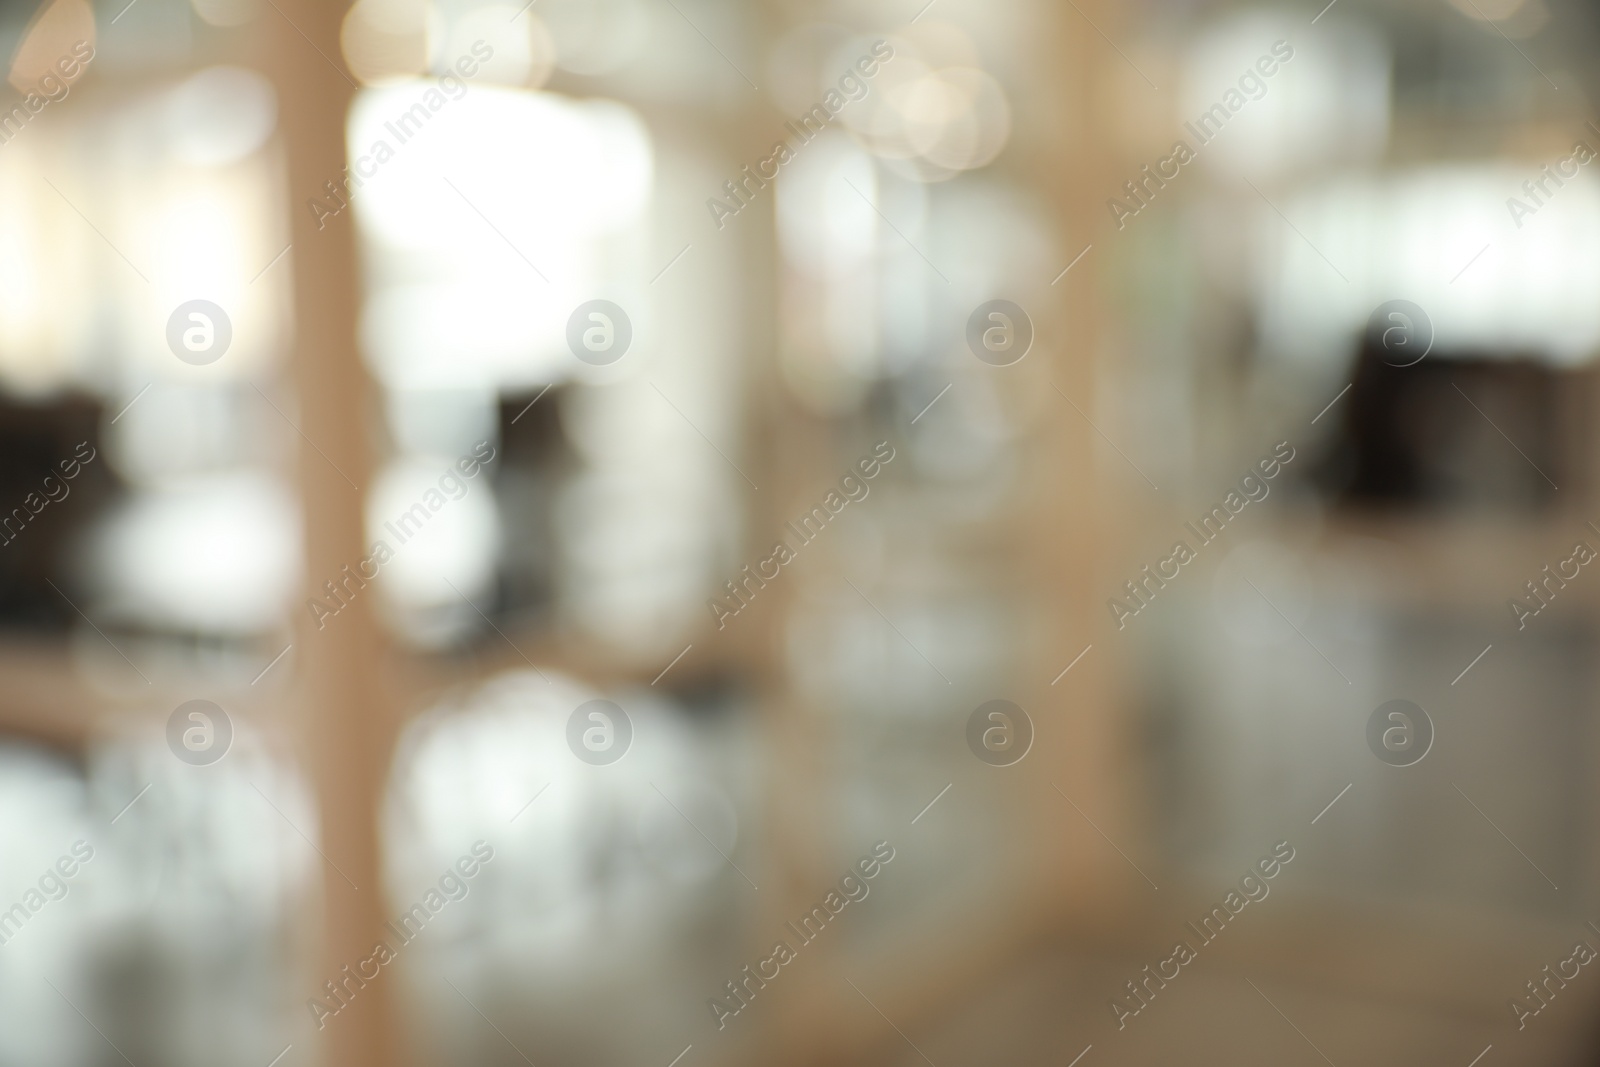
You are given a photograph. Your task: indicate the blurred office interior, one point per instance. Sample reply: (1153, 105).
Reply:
(398, 330)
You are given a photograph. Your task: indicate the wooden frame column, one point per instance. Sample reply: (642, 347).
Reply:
(346, 727)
